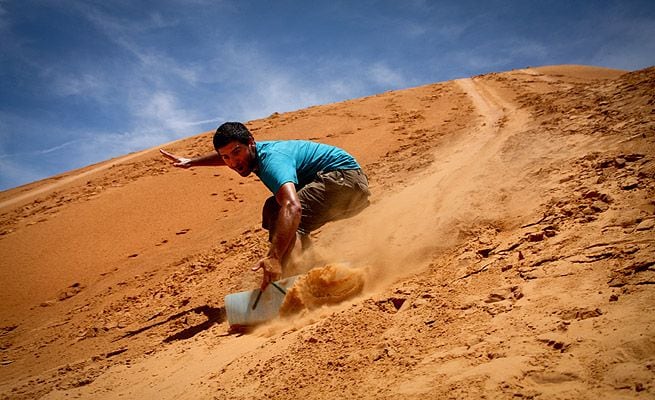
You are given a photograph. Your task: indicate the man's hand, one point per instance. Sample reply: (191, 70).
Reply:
(181, 162)
(272, 270)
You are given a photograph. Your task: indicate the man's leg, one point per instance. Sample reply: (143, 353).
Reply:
(332, 196)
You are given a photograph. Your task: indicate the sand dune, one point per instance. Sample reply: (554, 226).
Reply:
(509, 252)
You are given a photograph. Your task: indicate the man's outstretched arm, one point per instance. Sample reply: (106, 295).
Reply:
(210, 159)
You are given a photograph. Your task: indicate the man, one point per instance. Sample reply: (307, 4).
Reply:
(312, 183)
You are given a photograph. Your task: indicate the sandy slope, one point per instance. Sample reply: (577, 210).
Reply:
(508, 253)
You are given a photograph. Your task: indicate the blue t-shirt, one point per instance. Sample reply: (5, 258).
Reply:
(298, 161)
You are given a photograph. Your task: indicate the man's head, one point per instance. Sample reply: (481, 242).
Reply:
(236, 146)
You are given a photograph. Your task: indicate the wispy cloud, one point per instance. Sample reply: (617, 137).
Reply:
(252, 84)
(263, 83)
(14, 173)
(40, 152)
(161, 111)
(493, 55)
(147, 86)
(382, 74)
(126, 34)
(3, 13)
(634, 50)
(86, 84)
(203, 122)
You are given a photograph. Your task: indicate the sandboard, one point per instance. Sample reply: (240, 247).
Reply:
(253, 307)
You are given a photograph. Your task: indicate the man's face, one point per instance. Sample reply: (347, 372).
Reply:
(238, 156)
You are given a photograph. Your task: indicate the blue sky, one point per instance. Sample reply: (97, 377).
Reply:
(84, 81)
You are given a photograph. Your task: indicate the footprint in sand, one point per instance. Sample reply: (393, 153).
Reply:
(69, 292)
(230, 195)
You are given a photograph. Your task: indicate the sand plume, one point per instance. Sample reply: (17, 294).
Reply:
(330, 284)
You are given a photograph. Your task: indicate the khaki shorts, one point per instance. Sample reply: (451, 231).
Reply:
(331, 196)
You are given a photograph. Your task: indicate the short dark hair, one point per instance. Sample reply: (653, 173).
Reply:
(229, 132)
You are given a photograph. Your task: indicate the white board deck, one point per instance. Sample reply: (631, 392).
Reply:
(241, 310)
